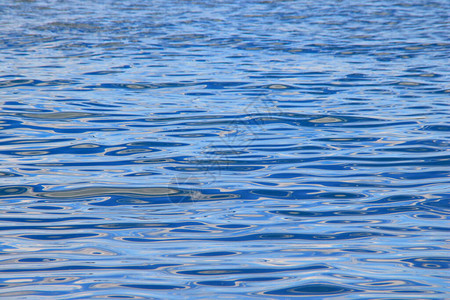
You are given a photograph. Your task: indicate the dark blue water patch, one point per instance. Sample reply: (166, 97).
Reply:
(316, 149)
(66, 115)
(105, 226)
(208, 272)
(176, 194)
(221, 283)
(212, 254)
(411, 149)
(274, 237)
(258, 279)
(138, 86)
(58, 236)
(417, 175)
(437, 128)
(36, 259)
(46, 207)
(139, 174)
(34, 141)
(91, 268)
(8, 191)
(233, 226)
(391, 228)
(153, 286)
(46, 220)
(215, 166)
(342, 213)
(9, 174)
(311, 290)
(81, 149)
(441, 204)
(12, 103)
(193, 135)
(106, 72)
(359, 250)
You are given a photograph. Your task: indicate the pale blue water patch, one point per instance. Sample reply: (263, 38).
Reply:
(230, 149)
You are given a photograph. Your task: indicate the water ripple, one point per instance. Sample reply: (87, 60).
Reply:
(239, 149)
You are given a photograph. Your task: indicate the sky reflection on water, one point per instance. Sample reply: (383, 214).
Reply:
(257, 149)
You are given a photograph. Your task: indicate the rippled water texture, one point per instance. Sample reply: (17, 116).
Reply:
(224, 149)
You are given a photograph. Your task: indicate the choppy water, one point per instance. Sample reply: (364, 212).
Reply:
(224, 149)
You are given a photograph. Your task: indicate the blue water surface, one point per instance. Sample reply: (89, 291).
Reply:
(176, 149)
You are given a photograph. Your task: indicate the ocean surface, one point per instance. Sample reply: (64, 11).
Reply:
(230, 149)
